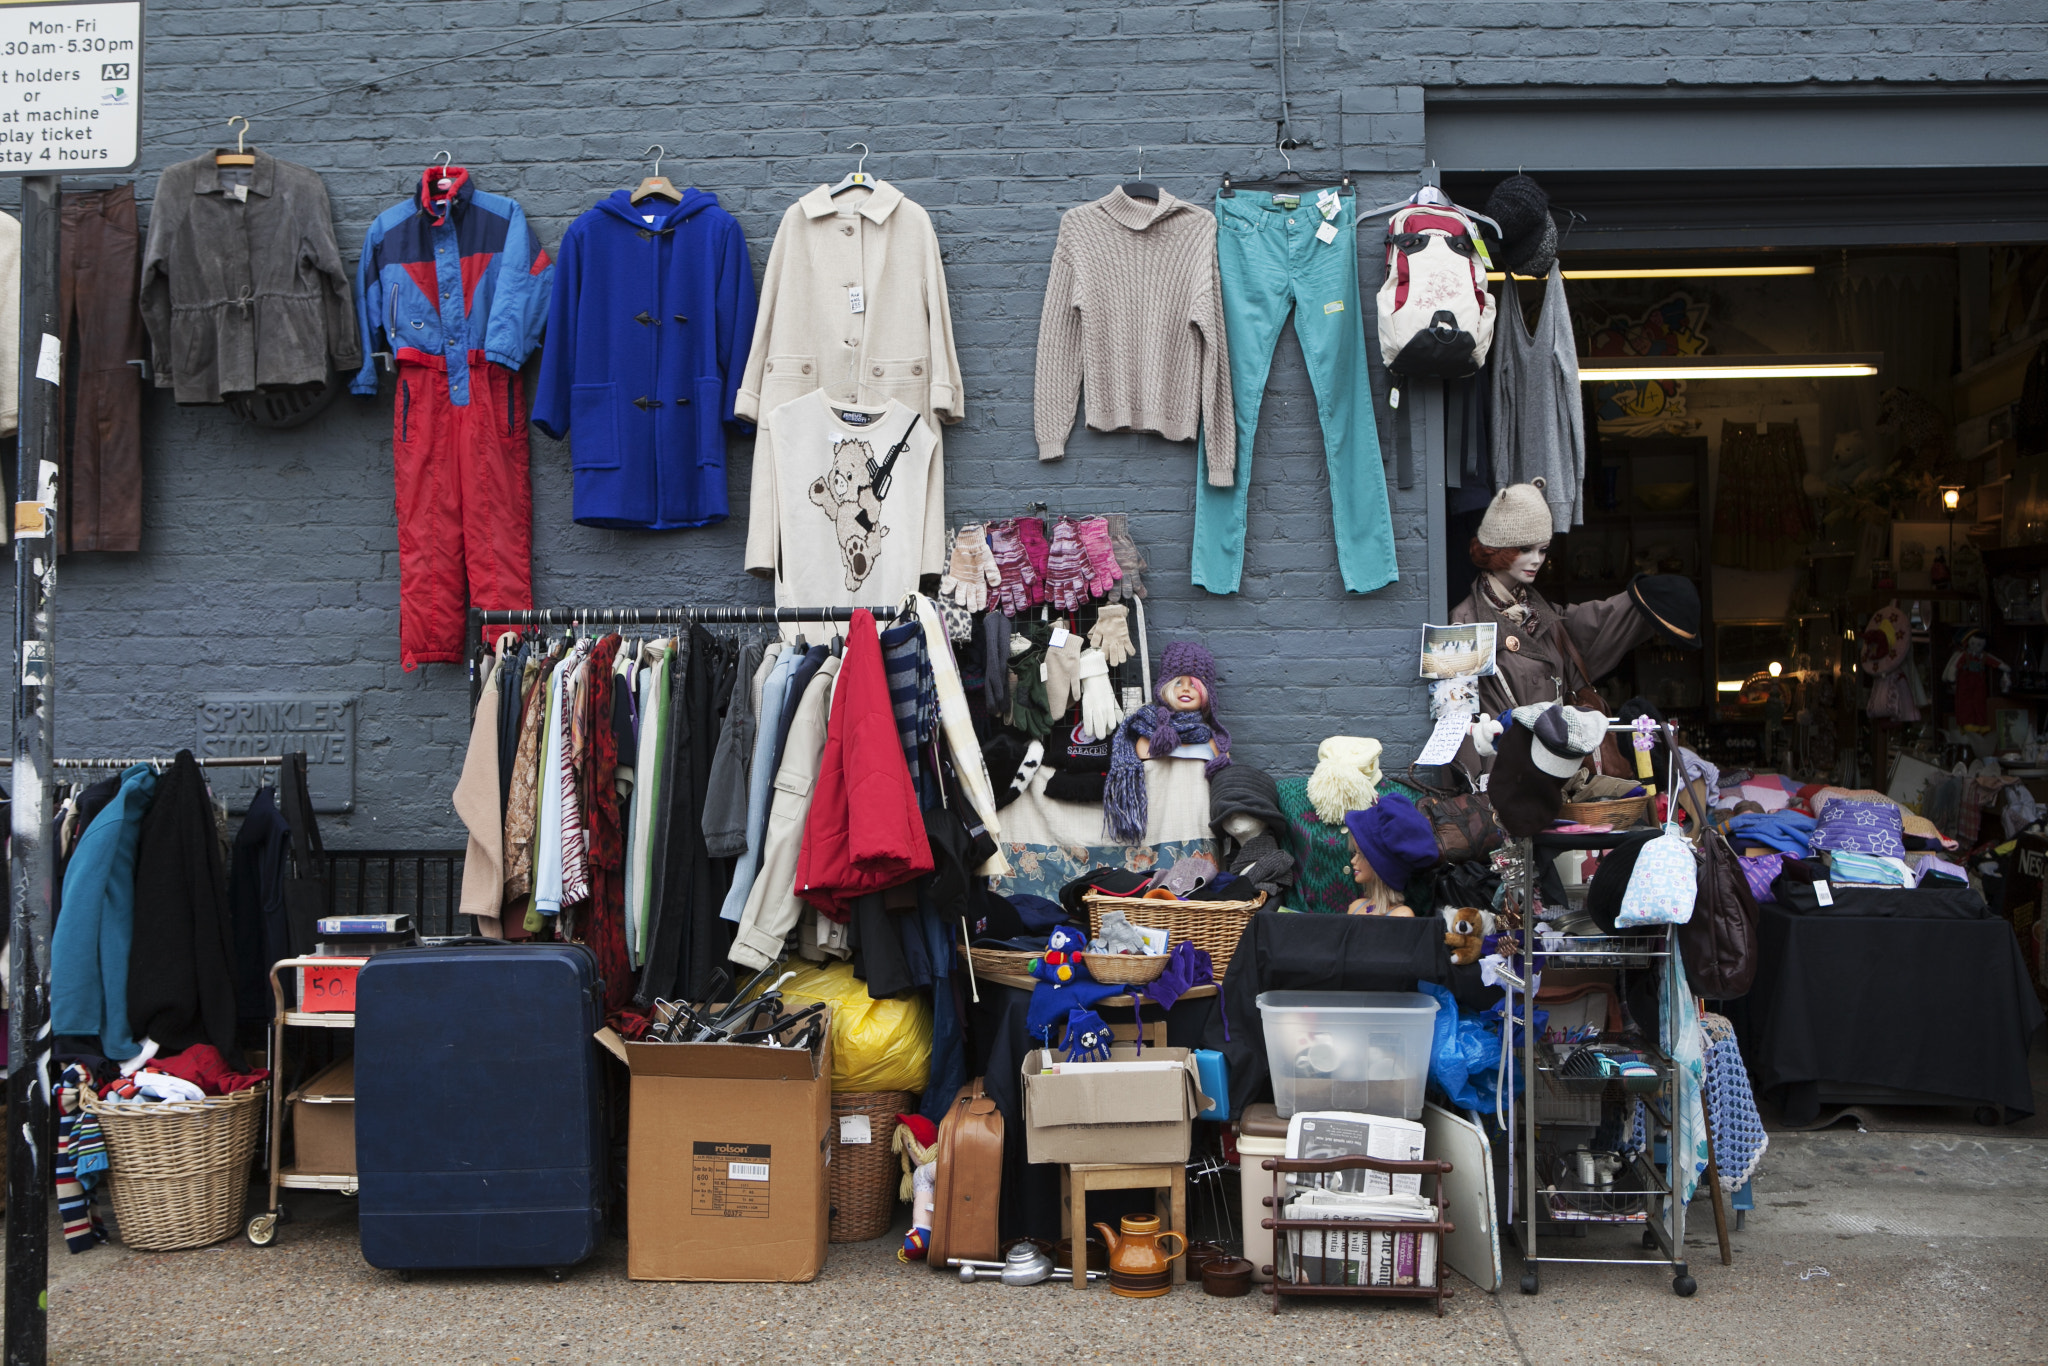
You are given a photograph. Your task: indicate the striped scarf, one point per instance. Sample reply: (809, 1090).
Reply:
(1125, 803)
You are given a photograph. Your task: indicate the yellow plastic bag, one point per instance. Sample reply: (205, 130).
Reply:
(876, 1045)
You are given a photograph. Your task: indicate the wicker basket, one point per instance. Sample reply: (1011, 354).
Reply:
(1002, 962)
(1212, 926)
(1126, 969)
(865, 1176)
(1622, 813)
(179, 1170)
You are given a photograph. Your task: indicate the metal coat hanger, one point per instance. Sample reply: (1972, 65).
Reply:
(442, 182)
(241, 156)
(1141, 188)
(656, 183)
(857, 176)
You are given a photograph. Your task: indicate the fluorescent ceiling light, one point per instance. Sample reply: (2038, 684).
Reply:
(1672, 272)
(1606, 369)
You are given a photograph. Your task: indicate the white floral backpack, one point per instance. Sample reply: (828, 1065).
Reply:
(1436, 317)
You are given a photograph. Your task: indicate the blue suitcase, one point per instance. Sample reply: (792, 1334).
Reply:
(479, 1106)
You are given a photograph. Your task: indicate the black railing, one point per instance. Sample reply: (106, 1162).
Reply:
(423, 883)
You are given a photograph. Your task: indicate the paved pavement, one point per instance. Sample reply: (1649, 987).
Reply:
(1876, 1246)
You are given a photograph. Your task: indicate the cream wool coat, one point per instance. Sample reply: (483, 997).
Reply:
(807, 335)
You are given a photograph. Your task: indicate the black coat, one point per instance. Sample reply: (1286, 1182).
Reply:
(181, 979)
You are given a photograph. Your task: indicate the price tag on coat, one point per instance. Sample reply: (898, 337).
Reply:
(1327, 233)
(240, 194)
(856, 1129)
(856, 299)
(50, 361)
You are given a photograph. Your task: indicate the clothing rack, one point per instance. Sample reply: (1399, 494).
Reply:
(161, 761)
(481, 619)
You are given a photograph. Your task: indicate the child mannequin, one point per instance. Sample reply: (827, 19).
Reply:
(1391, 842)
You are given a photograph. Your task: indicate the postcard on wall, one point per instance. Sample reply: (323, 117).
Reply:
(1458, 651)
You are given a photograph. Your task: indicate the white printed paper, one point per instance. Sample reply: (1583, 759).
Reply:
(1824, 893)
(856, 1129)
(50, 361)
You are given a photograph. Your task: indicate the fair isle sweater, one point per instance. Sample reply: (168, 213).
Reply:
(1134, 315)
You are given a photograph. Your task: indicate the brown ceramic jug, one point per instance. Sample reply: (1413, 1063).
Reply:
(1138, 1268)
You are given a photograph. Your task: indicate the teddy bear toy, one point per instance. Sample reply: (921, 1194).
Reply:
(1465, 931)
(1061, 961)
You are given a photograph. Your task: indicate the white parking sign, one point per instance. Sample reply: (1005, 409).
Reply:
(70, 86)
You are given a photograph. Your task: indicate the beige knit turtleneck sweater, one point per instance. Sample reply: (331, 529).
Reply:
(1134, 308)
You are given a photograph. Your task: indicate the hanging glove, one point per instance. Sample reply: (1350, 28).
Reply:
(1103, 572)
(1031, 535)
(1063, 676)
(1128, 557)
(1099, 711)
(1111, 633)
(1013, 570)
(1066, 569)
(971, 571)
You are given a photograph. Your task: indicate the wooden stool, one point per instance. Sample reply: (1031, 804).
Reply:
(1168, 1182)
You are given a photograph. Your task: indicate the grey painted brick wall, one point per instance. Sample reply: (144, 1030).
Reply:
(271, 558)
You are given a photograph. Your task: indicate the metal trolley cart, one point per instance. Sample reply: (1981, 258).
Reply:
(262, 1228)
(1639, 1193)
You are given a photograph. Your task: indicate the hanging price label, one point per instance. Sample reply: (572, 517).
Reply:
(328, 990)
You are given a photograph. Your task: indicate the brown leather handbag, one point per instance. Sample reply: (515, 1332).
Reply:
(1719, 943)
(1462, 822)
(968, 1186)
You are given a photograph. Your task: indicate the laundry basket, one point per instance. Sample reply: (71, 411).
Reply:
(864, 1170)
(178, 1171)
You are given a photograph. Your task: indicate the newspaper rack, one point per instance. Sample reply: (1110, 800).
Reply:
(1289, 1233)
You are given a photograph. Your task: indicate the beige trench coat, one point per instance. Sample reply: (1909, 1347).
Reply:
(773, 906)
(808, 336)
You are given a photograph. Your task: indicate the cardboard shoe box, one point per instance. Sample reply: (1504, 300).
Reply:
(1111, 1116)
(726, 1160)
(324, 1122)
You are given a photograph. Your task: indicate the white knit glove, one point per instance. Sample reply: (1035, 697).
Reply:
(1099, 711)
(1062, 676)
(971, 571)
(1111, 633)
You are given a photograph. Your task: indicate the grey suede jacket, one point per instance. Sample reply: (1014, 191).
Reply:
(242, 293)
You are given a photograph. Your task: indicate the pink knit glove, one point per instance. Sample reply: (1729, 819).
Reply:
(1102, 566)
(1013, 591)
(1066, 569)
(1031, 533)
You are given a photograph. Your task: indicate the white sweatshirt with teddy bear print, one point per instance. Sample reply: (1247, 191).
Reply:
(849, 503)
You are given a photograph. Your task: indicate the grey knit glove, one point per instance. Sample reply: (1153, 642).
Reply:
(1128, 557)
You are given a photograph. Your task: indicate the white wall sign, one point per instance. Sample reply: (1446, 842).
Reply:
(70, 86)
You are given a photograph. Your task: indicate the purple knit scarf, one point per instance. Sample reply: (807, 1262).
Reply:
(1124, 801)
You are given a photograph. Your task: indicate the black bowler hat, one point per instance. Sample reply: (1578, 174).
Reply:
(1672, 604)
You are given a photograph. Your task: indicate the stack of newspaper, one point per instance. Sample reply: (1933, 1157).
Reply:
(1333, 1257)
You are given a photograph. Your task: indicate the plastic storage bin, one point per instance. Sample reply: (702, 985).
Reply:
(1365, 1051)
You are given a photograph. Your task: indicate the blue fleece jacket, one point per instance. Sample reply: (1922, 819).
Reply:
(89, 952)
(648, 331)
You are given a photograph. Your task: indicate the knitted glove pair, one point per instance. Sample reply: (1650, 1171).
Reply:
(1111, 633)
(1031, 536)
(1099, 711)
(1067, 569)
(1062, 675)
(972, 570)
(1103, 570)
(1128, 557)
(1014, 574)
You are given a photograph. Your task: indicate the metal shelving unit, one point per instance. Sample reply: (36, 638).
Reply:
(262, 1227)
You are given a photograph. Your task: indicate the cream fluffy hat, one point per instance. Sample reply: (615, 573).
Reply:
(1347, 777)
(1516, 517)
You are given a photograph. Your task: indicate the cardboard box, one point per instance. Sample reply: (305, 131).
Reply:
(725, 1160)
(1115, 1116)
(324, 1122)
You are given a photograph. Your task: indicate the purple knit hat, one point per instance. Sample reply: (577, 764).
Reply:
(1184, 658)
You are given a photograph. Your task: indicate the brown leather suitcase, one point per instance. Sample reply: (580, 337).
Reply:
(967, 1191)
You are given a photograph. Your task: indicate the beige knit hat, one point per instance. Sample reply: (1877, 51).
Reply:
(1347, 777)
(1516, 517)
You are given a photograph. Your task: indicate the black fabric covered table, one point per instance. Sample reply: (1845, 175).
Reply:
(1283, 951)
(1937, 1006)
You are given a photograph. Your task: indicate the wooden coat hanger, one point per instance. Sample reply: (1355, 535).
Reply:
(656, 183)
(241, 156)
